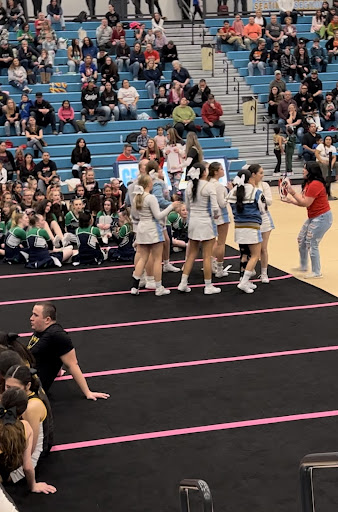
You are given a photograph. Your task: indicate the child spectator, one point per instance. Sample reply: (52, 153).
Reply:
(160, 138)
(66, 115)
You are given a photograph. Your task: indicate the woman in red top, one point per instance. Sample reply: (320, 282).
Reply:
(314, 198)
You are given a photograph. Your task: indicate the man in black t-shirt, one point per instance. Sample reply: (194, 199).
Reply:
(315, 86)
(308, 142)
(52, 347)
(45, 171)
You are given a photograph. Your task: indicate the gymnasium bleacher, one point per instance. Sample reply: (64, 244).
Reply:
(97, 138)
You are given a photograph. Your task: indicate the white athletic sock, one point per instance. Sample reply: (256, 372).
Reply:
(246, 276)
(150, 278)
(158, 285)
(165, 262)
(264, 271)
(220, 265)
(184, 279)
(207, 282)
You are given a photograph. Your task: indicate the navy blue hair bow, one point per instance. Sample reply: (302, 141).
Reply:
(8, 415)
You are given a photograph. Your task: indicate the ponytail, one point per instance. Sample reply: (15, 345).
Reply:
(213, 168)
(240, 191)
(195, 174)
(15, 218)
(143, 182)
(12, 432)
(25, 375)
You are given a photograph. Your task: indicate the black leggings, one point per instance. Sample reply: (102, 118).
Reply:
(278, 155)
(197, 10)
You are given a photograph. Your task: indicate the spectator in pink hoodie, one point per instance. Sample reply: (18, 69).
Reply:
(238, 25)
(66, 115)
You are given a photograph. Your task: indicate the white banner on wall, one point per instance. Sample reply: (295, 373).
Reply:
(271, 5)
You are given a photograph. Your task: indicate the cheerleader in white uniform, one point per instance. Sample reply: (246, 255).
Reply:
(201, 202)
(216, 172)
(149, 236)
(247, 203)
(267, 223)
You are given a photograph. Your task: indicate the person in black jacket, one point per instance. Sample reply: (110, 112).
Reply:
(80, 158)
(122, 55)
(198, 94)
(161, 103)
(109, 99)
(137, 61)
(169, 53)
(258, 57)
(43, 112)
(112, 16)
(109, 73)
(7, 160)
(26, 56)
(6, 55)
(90, 99)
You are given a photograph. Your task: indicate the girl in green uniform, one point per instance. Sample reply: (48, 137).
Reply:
(15, 241)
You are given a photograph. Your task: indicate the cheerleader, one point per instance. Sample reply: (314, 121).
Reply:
(216, 172)
(179, 224)
(149, 236)
(247, 205)
(40, 245)
(108, 220)
(267, 223)
(38, 413)
(89, 242)
(203, 208)
(72, 217)
(15, 240)
(125, 239)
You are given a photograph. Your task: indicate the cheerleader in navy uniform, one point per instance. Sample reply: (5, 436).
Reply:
(216, 172)
(125, 239)
(149, 236)
(38, 413)
(203, 208)
(267, 223)
(248, 205)
(15, 241)
(89, 242)
(40, 246)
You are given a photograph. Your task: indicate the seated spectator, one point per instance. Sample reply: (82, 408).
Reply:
(88, 48)
(137, 61)
(149, 37)
(101, 58)
(15, 15)
(34, 136)
(80, 158)
(142, 140)
(294, 119)
(332, 26)
(278, 82)
(45, 31)
(152, 76)
(55, 13)
(238, 26)
(112, 16)
(104, 35)
(50, 46)
(287, 10)
(12, 118)
(27, 199)
(45, 67)
(258, 58)
(329, 13)
(122, 56)
(128, 98)
(303, 63)
(169, 54)
(74, 56)
(318, 56)
(317, 25)
(46, 171)
(139, 33)
(290, 33)
(211, 115)
(302, 95)
(38, 23)
(308, 143)
(273, 32)
(160, 41)
(91, 110)
(161, 103)
(157, 22)
(227, 35)
(176, 93)
(198, 94)
(19, 157)
(118, 34)
(17, 76)
(66, 115)
(288, 65)
(283, 109)
(151, 54)
(184, 117)
(27, 169)
(44, 113)
(322, 153)
(109, 99)
(25, 106)
(252, 33)
(275, 57)
(275, 97)
(6, 56)
(260, 20)
(335, 92)
(310, 113)
(109, 73)
(332, 47)
(126, 155)
(329, 112)
(315, 86)
(88, 70)
(180, 76)
(24, 34)
(3, 18)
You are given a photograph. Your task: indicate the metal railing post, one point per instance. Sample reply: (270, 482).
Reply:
(226, 70)
(237, 86)
(267, 121)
